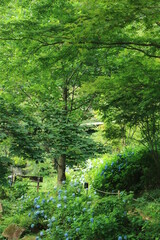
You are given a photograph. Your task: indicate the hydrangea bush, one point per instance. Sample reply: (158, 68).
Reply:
(72, 212)
(131, 170)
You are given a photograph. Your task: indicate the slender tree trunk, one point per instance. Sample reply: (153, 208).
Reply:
(62, 158)
(61, 169)
(156, 159)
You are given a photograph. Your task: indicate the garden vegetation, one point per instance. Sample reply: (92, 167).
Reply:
(80, 108)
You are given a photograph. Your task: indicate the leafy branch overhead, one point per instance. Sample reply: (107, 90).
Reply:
(126, 24)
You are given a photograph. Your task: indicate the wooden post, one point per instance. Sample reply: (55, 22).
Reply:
(12, 179)
(118, 194)
(38, 185)
(86, 187)
(1, 208)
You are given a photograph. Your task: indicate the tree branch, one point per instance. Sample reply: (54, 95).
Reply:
(125, 44)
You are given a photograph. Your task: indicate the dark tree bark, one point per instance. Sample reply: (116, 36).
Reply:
(62, 158)
(61, 169)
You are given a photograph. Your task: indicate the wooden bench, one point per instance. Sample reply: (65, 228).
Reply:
(32, 178)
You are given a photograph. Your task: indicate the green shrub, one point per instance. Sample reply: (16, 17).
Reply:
(130, 171)
(70, 213)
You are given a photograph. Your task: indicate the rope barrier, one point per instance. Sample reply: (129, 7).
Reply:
(109, 193)
(118, 193)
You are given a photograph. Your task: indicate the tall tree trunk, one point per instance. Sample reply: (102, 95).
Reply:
(62, 158)
(61, 169)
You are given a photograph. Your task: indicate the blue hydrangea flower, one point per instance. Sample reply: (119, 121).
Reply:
(59, 197)
(63, 182)
(45, 217)
(73, 195)
(84, 209)
(112, 164)
(32, 225)
(49, 225)
(37, 213)
(78, 190)
(119, 238)
(65, 198)
(125, 213)
(77, 229)
(125, 237)
(59, 191)
(91, 220)
(37, 206)
(29, 214)
(42, 213)
(51, 198)
(43, 201)
(106, 167)
(35, 200)
(75, 184)
(66, 234)
(41, 234)
(53, 219)
(59, 205)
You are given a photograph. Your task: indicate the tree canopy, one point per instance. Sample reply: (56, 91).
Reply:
(60, 59)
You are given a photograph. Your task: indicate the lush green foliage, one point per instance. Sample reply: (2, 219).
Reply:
(132, 170)
(71, 212)
(131, 99)
(18, 132)
(59, 60)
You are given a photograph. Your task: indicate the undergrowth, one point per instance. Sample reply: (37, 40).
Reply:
(108, 209)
